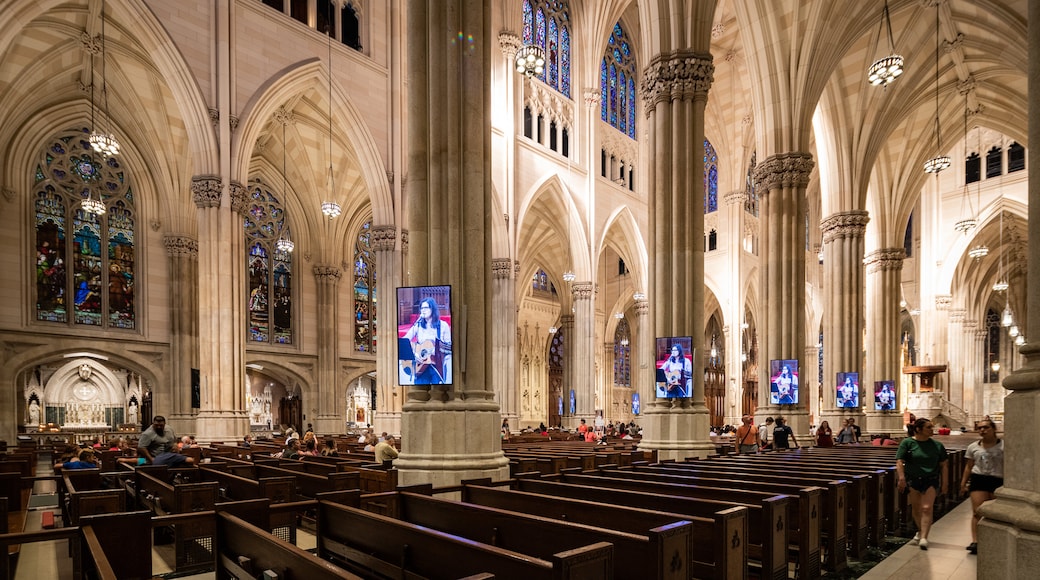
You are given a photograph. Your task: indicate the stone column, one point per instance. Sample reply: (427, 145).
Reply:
(781, 181)
(978, 408)
(183, 261)
(568, 420)
(642, 354)
(331, 399)
(389, 396)
(884, 357)
(1009, 534)
(503, 338)
(843, 307)
(812, 390)
(972, 378)
(955, 349)
(582, 343)
(675, 90)
(222, 415)
(450, 433)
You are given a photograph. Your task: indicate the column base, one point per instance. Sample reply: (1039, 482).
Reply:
(444, 445)
(387, 421)
(677, 432)
(328, 424)
(1009, 535)
(226, 426)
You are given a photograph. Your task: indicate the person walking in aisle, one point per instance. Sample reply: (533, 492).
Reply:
(983, 473)
(919, 466)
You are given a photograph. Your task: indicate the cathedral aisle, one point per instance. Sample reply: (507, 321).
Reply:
(945, 559)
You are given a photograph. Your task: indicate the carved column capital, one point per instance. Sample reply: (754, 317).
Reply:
(239, 198)
(885, 259)
(404, 240)
(327, 273)
(642, 307)
(849, 224)
(592, 97)
(943, 301)
(510, 44)
(383, 238)
(981, 334)
(582, 290)
(501, 268)
(957, 315)
(676, 76)
(783, 170)
(205, 190)
(735, 197)
(178, 245)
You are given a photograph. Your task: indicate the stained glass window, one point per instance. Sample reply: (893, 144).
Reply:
(269, 271)
(750, 192)
(546, 23)
(617, 73)
(711, 178)
(102, 256)
(364, 292)
(622, 355)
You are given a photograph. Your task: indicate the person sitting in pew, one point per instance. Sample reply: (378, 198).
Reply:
(292, 449)
(84, 460)
(156, 439)
(309, 448)
(173, 457)
(330, 448)
(386, 452)
(247, 441)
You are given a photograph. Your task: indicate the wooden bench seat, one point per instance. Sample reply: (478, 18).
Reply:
(371, 543)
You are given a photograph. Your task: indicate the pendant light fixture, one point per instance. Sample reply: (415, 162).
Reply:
(940, 161)
(330, 208)
(887, 68)
(284, 243)
(101, 141)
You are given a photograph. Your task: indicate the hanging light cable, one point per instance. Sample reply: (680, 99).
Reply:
(103, 142)
(940, 161)
(967, 224)
(1002, 284)
(284, 243)
(887, 68)
(89, 204)
(330, 208)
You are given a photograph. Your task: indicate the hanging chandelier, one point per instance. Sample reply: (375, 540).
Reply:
(103, 142)
(887, 68)
(330, 209)
(284, 242)
(530, 60)
(940, 161)
(93, 206)
(978, 252)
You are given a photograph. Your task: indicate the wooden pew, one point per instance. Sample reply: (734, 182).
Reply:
(153, 493)
(117, 543)
(655, 553)
(724, 556)
(81, 495)
(372, 543)
(14, 488)
(769, 524)
(244, 551)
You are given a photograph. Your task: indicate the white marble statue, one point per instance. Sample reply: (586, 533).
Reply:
(34, 413)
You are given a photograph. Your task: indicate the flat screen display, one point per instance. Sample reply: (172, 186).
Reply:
(424, 335)
(674, 367)
(635, 403)
(783, 382)
(847, 390)
(884, 395)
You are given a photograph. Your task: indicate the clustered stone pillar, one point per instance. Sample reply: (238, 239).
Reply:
(389, 398)
(222, 415)
(884, 360)
(582, 366)
(451, 432)
(1009, 533)
(675, 90)
(570, 363)
(843, 302)
(183, 260)
(503, 354)
(781, 181)
(329, 406)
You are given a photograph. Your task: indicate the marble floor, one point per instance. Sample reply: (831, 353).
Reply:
(945, 558)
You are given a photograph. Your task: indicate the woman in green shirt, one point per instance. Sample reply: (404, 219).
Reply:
(919, 466)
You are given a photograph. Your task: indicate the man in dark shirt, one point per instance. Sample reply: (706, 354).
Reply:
(156, 439)
(781, 433)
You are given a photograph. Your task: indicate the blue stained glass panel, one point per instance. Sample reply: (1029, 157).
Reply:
(631, 107)
(603, 90)
(539, 34)
(565, 61)
(622, 103)
(528, 32)
(613, 96)
(552, 53)
(711, 178)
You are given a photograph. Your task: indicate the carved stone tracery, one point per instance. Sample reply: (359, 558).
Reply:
(677, 76)
(383, 238)
(501, 268)
(205, 190)
(178, 245)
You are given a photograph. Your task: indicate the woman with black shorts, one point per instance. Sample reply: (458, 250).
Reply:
(983, 472)
(919, 466)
